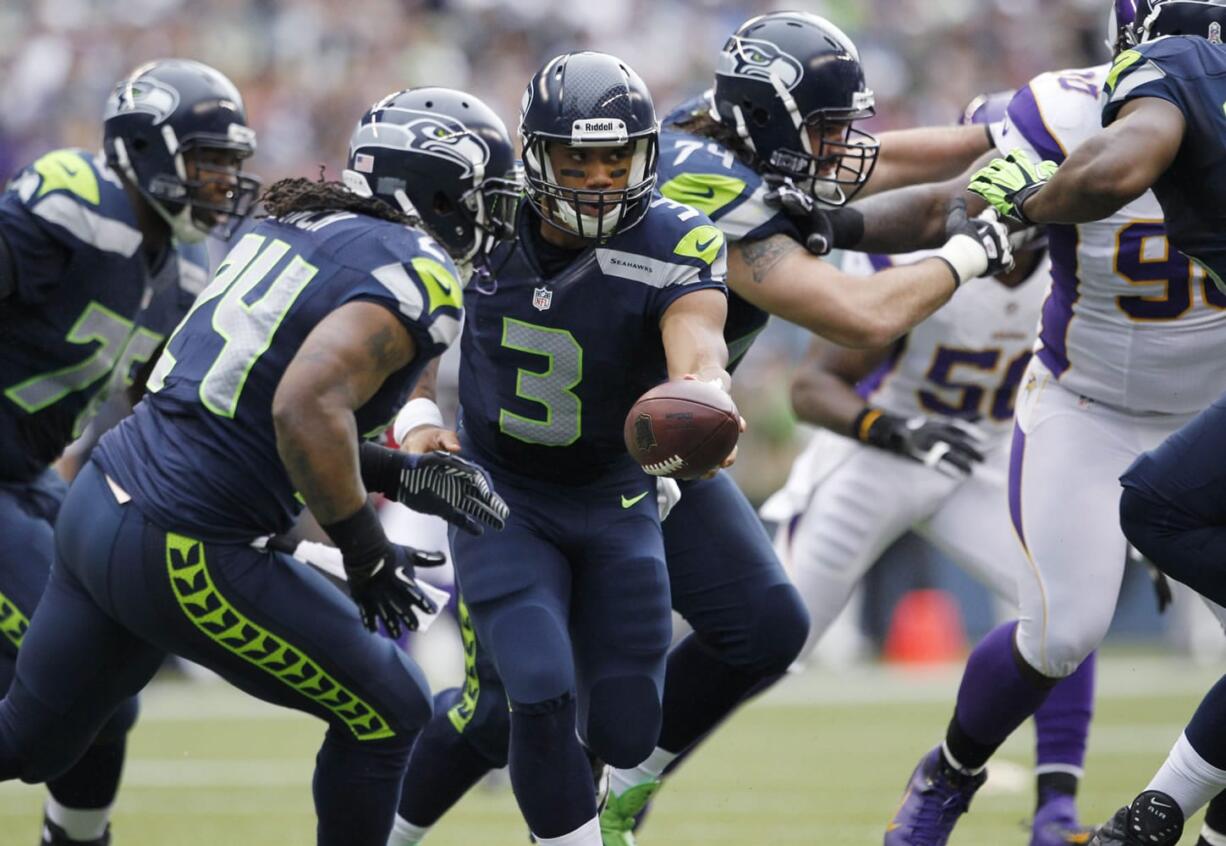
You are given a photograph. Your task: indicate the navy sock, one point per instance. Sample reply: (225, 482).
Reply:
(550, 773)
(356, 788)
(699, 692)
(443, 766)
(93, 781)
(998, 693)
(1206, 730)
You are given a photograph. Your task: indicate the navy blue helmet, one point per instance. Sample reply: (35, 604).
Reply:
(588, 99)
(177, 130)
(1156, 18)
(783, 73)
(444, 157)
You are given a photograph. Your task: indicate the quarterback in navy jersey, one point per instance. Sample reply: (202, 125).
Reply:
(309, 337)
(1163, 119)
(97, 252)
(724, 576)
(609, 290)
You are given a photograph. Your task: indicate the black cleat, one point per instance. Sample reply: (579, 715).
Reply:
(1153, 819)
(53, 835)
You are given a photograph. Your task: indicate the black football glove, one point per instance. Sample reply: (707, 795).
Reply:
(946, 445)
(385, 590)
(1162, 587)
(975, 246)
(381, 573)
(814, 223)
(436, 483)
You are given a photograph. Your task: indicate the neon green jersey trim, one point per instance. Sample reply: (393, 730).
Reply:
(68, 171)
(701, 242)
(707, 192)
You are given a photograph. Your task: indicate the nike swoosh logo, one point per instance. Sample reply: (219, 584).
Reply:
(1158, 804)
(702, 248)
(627, 501)
(708, 194)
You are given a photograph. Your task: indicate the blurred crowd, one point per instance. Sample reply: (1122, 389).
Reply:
(307, 69)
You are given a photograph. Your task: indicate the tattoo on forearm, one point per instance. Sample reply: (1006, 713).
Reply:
(762, 256)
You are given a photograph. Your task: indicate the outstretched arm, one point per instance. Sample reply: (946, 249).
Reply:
(925, 154)
(692, 328)
(911, 218)
(780, 277)
(823, 389)
(1112, 168)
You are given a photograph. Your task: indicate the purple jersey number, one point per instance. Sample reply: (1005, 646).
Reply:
(970, 400)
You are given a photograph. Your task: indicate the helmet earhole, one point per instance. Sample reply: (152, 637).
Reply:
(442, 204)
(760, 116)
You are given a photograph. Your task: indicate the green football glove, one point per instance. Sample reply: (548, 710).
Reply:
(1006, 183)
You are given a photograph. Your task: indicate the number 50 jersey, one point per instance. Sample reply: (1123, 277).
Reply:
(200, 453)
(1130, 321)
(550, 365)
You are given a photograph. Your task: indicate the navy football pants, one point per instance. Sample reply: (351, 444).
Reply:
(728, 584)
(27, 517)
(124, 592)
(1174, 504)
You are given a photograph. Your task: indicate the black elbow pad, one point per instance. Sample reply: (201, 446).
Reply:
(847, 227)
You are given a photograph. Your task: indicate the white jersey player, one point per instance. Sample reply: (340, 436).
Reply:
(846, 500)
(1120, 363)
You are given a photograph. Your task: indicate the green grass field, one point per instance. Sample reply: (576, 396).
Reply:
(822, 759)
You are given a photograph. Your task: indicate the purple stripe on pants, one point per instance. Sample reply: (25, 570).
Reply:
(1058, 307)
(1015, 483)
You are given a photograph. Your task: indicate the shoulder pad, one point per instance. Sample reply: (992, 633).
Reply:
(674, 244)
(1055, 112)
(78, 193)
(418, 273)
(701, 173)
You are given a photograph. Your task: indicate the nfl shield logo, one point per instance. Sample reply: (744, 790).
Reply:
(541, 298)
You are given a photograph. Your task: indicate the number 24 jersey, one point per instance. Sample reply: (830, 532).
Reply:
(200, 453)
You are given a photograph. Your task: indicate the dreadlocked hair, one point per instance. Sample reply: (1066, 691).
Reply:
(701, 123)
(287, 196)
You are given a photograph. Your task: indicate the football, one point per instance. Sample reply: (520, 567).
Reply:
(682, 429)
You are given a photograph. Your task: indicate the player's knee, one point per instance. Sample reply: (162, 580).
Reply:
(623, 719)
(117, 727)
(779, 630)
(1065, 649)
(533, 653)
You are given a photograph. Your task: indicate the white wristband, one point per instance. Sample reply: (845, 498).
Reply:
(416, 412)
(966, 255)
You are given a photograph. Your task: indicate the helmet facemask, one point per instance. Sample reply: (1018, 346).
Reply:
(594, 214)
(491, 207)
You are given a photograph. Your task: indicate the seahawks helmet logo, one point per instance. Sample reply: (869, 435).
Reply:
(754, 59)
(148, 96)
(429, 133)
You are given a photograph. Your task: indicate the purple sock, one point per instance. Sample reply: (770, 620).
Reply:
(995, 697)
(1062, 723)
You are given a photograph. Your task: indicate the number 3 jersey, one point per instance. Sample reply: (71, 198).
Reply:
(1130, 321)
(74, 322)
(965, 360)
(200, 452)
(551, 364)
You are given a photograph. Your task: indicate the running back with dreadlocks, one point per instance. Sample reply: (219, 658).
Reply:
(299, 195)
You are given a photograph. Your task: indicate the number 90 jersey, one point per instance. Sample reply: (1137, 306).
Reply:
(200, 452)
(550, 365)
(964, 361)
(1130, 321)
